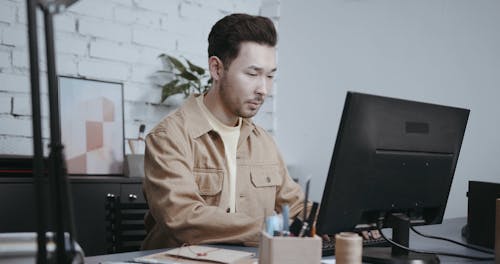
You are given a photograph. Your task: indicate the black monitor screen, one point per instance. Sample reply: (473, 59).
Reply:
(390, 156)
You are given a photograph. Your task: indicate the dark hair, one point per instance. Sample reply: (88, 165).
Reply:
(228, 33)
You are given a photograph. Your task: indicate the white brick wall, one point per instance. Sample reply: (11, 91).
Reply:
(66, 64)
(141, 92)
(20, 59)
(93, 8)
(270, 9)
(65, 23)
(14, 83)
(16, 145)
(5, 104)
(114, 40)
(4, 59)
(15, 36)
(116, 51)
(8, 13)
(143, 73)
(21, 105)
(135, 16)
(100, 69)
(15, 126)
(153, 38)
(71, 43)
(105, 29)
(161, 6)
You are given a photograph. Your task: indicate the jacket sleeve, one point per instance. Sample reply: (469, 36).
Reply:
(174, 199)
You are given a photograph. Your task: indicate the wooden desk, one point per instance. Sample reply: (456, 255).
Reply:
(451, 228)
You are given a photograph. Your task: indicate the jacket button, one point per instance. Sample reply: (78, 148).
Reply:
(228, 210)
(268, 179)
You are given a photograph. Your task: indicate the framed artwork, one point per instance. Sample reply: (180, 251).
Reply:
(92, 126)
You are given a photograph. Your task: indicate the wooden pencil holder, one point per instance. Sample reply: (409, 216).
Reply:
(290, 250)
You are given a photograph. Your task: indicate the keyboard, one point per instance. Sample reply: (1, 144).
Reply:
(328, 246)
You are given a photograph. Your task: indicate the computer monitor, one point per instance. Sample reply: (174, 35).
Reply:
(391, 157)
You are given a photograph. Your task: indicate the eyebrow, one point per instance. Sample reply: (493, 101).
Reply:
(260, 69)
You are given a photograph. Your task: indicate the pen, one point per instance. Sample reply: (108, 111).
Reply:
(304, 221)
(313, 229)
(140, 137)
(142, 127)
(303, 229)
(312, 217)
(269, 225)
(305, 199)
(285, 211)
(131, 145)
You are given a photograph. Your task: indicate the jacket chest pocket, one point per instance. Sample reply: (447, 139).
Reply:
(209, 183)
(265, 181)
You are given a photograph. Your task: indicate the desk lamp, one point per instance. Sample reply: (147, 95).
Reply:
(59, 197)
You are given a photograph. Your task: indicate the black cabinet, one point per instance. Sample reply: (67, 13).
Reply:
(17, 211)
(18, 214)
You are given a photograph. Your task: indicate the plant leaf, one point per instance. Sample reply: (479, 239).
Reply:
(163, 58)
(163, 71)
(188, 76)
(195, 68)
(169, 89)
(177, 64)
(171, 84)
(184, 88)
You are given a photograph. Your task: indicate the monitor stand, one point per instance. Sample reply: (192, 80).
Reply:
(400, 225)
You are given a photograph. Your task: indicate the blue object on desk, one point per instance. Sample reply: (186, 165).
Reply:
(286, 217)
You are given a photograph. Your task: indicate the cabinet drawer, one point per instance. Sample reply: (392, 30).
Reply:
(131, 193)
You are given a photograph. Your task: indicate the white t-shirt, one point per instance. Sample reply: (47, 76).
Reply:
(230, 136)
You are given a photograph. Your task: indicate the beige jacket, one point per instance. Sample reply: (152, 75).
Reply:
(186, 182)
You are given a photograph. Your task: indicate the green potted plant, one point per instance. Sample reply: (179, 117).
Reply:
(183, 78)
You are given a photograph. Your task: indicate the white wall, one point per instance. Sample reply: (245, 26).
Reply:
(445, 52)
(116, 41)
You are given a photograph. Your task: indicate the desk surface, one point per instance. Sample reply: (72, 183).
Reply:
(451, 228)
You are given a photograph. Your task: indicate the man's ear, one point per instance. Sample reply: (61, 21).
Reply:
(216, 67)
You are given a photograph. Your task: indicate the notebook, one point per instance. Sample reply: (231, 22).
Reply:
(199, 254)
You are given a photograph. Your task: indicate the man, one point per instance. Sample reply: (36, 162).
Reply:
(212, 175)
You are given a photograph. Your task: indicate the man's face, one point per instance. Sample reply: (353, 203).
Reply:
(248, 80)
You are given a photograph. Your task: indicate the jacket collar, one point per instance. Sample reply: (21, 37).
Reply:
(199, 125)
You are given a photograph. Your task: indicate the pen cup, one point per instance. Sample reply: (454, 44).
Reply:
(290, 250)
(348, 248)
(134, 165)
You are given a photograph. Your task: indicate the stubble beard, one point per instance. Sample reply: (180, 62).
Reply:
(235, 107)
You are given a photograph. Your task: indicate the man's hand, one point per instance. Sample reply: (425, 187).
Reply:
(370, 234)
